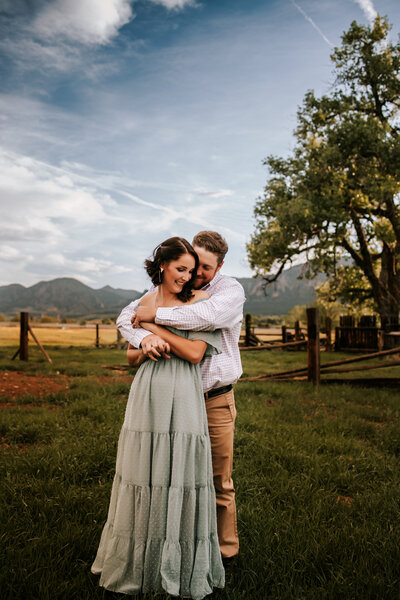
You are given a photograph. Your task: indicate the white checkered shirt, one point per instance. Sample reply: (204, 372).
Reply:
(223, 310)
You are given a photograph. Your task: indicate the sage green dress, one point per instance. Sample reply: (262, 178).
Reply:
(161, 530)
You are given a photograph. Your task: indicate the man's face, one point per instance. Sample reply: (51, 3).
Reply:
(208, 267)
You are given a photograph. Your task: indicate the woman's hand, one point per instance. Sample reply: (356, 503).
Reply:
(154, 347)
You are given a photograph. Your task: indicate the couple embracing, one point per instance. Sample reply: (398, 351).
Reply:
(171, 522)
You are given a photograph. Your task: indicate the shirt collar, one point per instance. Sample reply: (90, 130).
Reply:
(213, 280)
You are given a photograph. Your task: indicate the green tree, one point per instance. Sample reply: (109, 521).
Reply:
(335, 201)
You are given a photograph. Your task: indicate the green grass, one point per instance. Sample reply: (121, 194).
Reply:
(316, 473)
(75, 361)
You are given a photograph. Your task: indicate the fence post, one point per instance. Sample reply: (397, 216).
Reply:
(119, 338)
(248, 329)
(97, 336)
(297, 331)
(328, 331)
(23, 336)
(313, 345)
(284, 336)
(381, 339)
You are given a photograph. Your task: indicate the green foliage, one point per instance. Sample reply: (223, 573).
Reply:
(333, 310)
(47, 319)
(265, 320)
(336, 197)
(349, 284)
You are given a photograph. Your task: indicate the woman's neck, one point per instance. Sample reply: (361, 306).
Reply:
(165, 297)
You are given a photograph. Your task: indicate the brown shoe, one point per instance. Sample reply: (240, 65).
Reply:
(228, 563)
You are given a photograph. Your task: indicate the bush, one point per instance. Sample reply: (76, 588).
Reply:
(106, 321)
(83, 322)
(265, 320)
(47, 319)
(15, 319)
(2, 317)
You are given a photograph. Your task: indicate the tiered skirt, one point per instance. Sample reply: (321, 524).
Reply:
(161, 532)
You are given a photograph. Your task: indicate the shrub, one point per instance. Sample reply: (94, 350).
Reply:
(47, 319)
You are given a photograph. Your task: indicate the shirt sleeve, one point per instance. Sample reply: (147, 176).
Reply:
(213, 340)
(136, 335)
(223, 310)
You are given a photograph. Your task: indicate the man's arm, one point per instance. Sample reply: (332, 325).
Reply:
(223, 309)
(133, 336)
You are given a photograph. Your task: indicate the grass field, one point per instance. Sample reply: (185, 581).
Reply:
(63, 336)
(67, 335)
(316, 473)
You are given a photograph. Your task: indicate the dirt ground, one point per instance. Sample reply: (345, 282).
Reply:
(17, 383)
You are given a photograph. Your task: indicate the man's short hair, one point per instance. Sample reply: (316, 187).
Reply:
(213, 242)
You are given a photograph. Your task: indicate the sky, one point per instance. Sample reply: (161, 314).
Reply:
(125, 122)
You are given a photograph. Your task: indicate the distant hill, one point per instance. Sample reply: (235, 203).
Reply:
(66, 296)
(69, 297)
(279, 297)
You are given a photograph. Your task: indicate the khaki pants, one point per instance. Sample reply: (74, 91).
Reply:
(221, 414)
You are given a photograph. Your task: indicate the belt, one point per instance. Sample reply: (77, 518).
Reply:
(218, 391)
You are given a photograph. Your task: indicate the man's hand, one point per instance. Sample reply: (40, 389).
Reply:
(143, 313)
(155, 347)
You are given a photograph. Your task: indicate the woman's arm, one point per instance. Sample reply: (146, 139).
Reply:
(190, 350)
(134, 336)
(135, 356)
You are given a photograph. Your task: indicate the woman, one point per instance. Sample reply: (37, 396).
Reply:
(161, 531)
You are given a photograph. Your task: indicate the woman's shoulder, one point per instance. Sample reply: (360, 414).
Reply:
(148, 299)
(198, 295)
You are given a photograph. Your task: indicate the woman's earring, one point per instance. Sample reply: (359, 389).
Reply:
(160, 275)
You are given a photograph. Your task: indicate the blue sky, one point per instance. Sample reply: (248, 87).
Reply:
(125, 122)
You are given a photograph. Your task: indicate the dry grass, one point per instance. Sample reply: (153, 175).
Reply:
(63, 336)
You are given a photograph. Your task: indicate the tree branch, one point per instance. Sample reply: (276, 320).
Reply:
(353, 253)
(270, 279)
(366, 261)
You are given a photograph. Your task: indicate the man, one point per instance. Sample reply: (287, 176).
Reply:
(223, 310)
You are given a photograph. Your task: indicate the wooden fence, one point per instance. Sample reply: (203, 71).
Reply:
(314, 369)
(311, 372)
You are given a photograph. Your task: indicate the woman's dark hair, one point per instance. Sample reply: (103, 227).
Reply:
(172, 249)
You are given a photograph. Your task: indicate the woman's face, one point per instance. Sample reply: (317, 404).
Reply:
(178, 272)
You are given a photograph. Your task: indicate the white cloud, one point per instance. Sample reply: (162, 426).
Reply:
(85, 21)
(214, 194)
(40, 202)
(28, 52)
(89, 267)
(12, 254)
(175, 4)
(368, 9)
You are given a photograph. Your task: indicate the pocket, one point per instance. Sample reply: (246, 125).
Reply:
(232, 406)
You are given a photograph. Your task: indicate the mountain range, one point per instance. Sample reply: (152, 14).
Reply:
(69, 297)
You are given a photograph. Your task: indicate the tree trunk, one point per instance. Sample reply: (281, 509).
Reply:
(388, 295)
